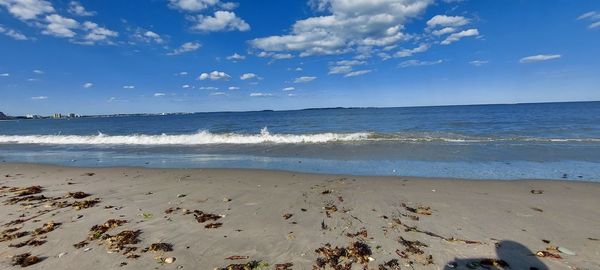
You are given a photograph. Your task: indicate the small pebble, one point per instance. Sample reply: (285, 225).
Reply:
(62, 254)
(170, 260)
(180, 195)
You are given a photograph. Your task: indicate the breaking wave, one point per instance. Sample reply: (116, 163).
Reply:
(264, 137)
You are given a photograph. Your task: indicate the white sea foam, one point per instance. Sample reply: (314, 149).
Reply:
(264, 137)
(200, 138)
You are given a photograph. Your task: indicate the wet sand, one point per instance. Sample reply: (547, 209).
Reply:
(285, 220)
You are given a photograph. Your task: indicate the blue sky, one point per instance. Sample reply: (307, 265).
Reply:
(115, 56)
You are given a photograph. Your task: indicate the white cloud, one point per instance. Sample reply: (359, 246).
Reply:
(410, 52)
(37, 71)
(153, 36)
(87, 85)
(349, 26)
(217, 93)
(415, 63)
(192, 5)
(248, 76)
(358, 73)
(233, 88)
(12, 33)
(236, 57)
(183, 73)
(97, 33)
(186, 86)
(4, 74)
(289, 89)
(276, 56)
(443, 31)
(39, 98)
(591, 16)
(208, 88)
(221, 21)
(538, 58)
(478, 63)
(349, 62)
(261, 94)
(304, 79)
(340, 69)
(214, 76)
(457, 36)
(27, 9)
(159, 94)
(77, 9)
(185, 48)
(447, 21)
(60, 26)
(128, 86)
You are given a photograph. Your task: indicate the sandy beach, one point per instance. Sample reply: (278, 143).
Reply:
(136, 218)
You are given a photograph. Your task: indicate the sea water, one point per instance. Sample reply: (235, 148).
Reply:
(517, 141)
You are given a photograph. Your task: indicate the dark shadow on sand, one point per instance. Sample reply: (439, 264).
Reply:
(516, 255)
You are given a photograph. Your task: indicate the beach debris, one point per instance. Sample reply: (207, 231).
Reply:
(287, 216)
(546, 241)
(363, 233)
(147, 215)
(497, 263)
(169, 260)
(392, 264)
(159, 247)
(421, 210)
(327, 191)
(593, 239)
(98, 230)
(253, 265)
(89, 174)
(25, 191)
(31, 198)
(202, 217)
(303, 209)
(343, 257)
(537, 209)
(24, 260)
(547, 254)
(566, 251)
(30, 242)
(180, 195)
(81, 244)
(237, 257)
(413, 251)
(284, 266)
(537, 191)
(11, 234)
(323, 225)
(122, 242)
(213, 225)
(46, 228)
(85, 204)
(77, 195)
(225, 199)
(330, 208)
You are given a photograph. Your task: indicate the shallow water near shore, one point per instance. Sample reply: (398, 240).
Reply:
(541, 141)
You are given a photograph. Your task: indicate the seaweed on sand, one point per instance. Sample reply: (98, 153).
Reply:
(85, 204)
(343, 257)
(25, 259)
(159, 247)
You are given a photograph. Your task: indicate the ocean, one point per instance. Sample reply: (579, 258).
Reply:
(516, 141)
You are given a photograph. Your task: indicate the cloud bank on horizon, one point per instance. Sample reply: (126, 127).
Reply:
(333, 53)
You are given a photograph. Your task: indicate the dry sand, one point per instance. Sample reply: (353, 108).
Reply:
(504, 219)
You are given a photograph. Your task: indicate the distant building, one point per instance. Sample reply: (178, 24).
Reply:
(57, 116)
(33, 116)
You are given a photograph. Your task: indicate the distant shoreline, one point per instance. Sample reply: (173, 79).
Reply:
(291, 110)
